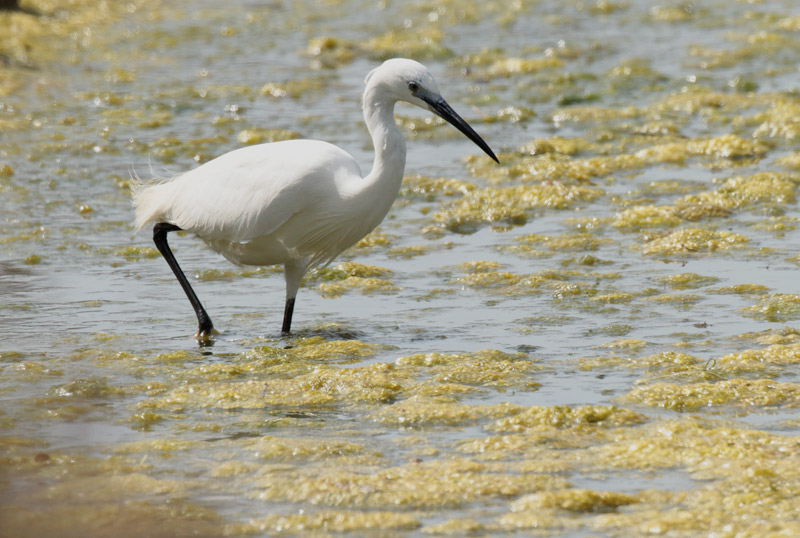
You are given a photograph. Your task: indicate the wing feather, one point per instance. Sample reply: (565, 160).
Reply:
(247, 193)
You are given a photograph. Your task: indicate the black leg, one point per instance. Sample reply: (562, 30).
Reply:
(287, 316)
(160, 230)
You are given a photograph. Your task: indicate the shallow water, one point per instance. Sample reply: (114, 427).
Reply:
(508, 375)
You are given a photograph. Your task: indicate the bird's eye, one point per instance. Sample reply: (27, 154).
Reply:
(413, 86)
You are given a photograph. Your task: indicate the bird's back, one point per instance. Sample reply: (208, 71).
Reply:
(249, 192)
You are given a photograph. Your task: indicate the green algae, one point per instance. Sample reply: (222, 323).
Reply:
(454, 483)
(364, 285)
(329, 51)
(785, 335)
(526, 245)
(227, 275)
(27, 43)
(741, 289)
(87, 388)
(563, 285)
(687, 281)
(322, 386)
(348, 276)
(430, 188)
(317, 348)
(646, 216)
(776, 307)
(546, 161)
(32, 370)
(778, 226)
(574, 500)
(510, 205)
(279, 449)
(774, 358)
(501, 282)
(485, 368)
(694, 240)
(424, 43)
(339, 521)
(410, 251)
(617, 297)
(257, 135)
(738, 192)
(507, 67)
(456, 527)
(740, 394)
(751, 458)
(680, 300)
(563, 417)
(779, 121)
(420, 411)
(729, 148)
(135, 252)
(625, 344)
(781, 352)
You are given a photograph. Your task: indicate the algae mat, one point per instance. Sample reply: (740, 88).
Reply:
(598, 337)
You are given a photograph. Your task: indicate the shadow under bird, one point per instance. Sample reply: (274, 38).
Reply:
(299, 203)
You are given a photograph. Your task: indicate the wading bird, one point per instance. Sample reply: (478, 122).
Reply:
(299, 203)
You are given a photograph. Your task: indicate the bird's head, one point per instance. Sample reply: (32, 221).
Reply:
(410, 81)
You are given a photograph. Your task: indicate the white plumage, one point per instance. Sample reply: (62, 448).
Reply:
(299, 203)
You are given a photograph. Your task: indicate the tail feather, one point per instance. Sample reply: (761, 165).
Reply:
(148, 200)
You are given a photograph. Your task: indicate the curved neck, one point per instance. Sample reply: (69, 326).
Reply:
(390, 147)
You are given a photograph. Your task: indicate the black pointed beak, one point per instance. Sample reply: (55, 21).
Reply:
(439, 106)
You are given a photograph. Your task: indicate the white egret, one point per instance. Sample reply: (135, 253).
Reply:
(298, 203)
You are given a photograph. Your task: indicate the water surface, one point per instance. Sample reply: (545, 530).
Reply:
(608, 360)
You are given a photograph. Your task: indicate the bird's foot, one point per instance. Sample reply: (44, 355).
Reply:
(205, 337)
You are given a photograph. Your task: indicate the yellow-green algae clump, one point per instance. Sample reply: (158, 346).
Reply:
(742, 191)
(327, 521)
(683, 281)
(739, 192)
(694, 240)
(446, 483)
(486, 368)
(509, 205)
(574, 500)
(353, 276)
(742, 468)
(742, 394)
(421, 410)
(775, 307)
(304, 376)
(538, 418)
(563, 284)
(537, 245)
